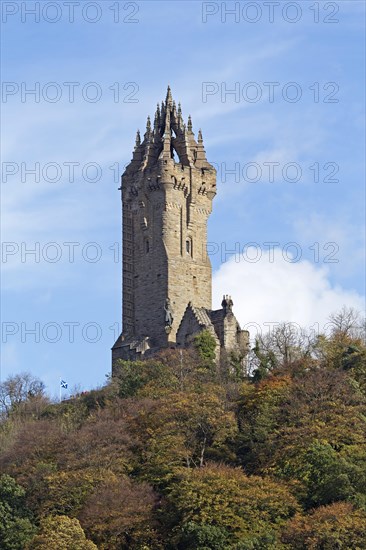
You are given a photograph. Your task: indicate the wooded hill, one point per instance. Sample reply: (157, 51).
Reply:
(174, 454)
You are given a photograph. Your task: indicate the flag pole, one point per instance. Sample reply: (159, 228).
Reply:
(60, 388)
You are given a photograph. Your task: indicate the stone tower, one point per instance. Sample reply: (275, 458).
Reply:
(167, 192)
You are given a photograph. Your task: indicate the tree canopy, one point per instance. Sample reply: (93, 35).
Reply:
(170, 454)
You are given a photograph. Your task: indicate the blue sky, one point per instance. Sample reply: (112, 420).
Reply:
(312, 208)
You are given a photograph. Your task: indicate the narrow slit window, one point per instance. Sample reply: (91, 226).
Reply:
(189, 246)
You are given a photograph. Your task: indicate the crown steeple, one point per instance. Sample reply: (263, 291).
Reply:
(168, 135)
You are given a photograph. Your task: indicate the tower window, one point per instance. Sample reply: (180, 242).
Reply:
(147, 246)
(189, 246)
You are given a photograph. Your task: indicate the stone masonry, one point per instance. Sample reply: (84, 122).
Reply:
(167, 192)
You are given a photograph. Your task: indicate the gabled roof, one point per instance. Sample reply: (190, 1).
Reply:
(202, 316)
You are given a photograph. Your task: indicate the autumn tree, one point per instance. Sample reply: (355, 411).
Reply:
(338, 525)
(120, 515)
(60, 533)
(182, 428)
(60, 469)
(220, 501)
(298, 429)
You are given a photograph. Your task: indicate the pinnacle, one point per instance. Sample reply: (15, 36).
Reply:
(148, 128)
(169, 97)
(189, 126)
(138, 137)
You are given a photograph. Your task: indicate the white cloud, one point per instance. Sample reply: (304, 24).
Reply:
(269, 292)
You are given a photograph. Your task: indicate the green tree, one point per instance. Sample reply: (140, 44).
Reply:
(132, 376)
(259, 413)
(16, 528)
(328, 477)
(201, 536)
(205, 344)
(264, 362)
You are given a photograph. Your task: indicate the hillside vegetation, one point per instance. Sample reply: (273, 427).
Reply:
(172, 454)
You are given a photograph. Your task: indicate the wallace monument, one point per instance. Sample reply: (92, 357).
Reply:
(167, 193)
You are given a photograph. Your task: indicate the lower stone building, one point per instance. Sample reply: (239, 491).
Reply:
(221, 324)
